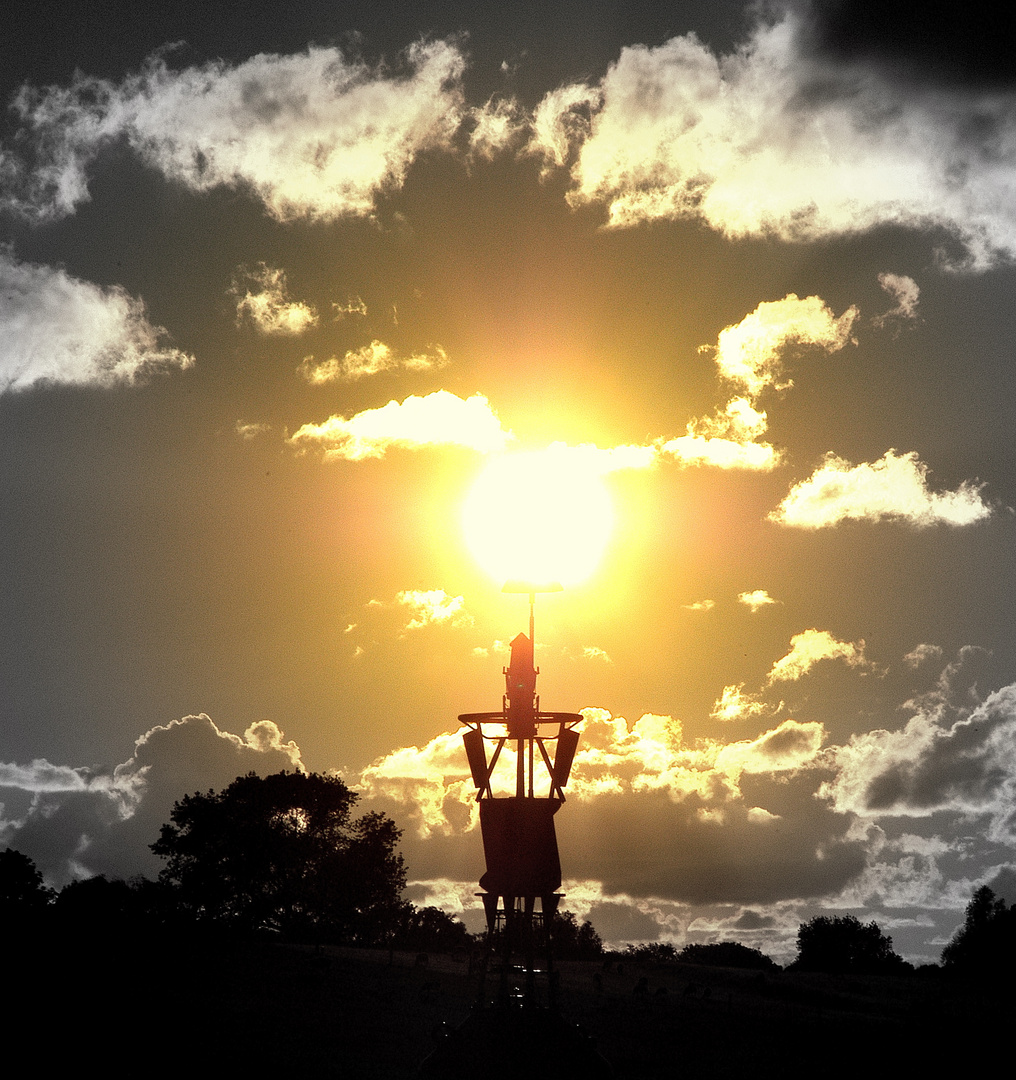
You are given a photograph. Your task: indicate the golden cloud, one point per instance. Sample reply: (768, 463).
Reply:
(439, 419)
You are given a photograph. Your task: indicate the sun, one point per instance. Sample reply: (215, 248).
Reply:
(539, 516)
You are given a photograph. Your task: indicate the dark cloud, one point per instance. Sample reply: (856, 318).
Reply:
(968, 44)
(101, 822)
(752, 920)
(946, 759)
(1004, 884)
(622, 922)
(647, 845)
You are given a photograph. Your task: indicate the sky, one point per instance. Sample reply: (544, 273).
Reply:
(289, 301)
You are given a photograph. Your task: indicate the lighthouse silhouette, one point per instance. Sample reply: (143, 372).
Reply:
(515, 1027)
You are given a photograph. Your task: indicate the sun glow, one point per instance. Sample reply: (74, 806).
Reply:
(539, 516)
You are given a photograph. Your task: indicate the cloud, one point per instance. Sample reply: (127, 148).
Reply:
(751, 354)
(648, 815)
(603, 460)
(663, 839)
(561, 121)
(498, 125)
(55, 328)
(771, 141)
(944, 759)
(434, 606)
(429, 781)
(700, 605)
(352, 306)
(905, 293)
(594, 652)
(910, 871)
(496, 647)
(370, 360)
(808, 648)
(85, 820)
(313, 135)
(41, 776)
(893, 488)
(250, 431)
(920, 653)
(269, 308)
(726, 440)
(734, 704)
(756, 599)
(439, 419)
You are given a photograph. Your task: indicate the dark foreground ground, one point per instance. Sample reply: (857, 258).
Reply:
(239, 1009)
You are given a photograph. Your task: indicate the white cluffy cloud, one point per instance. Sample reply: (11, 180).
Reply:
(312, 135)
(370, 360)
(895, 487)
(734, 704)
(751, 355)
(268, 306)
(769, 141)
(920, 654)
(439, 419)
(806, 650)
(758, 598)
(497, 125)
(432, 783)
(430, 606)
(905, 291)
(726, 440)
(811, 646)
(937, 762)
(55, 328)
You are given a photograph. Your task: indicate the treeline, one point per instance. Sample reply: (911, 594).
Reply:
(983, 948)
(281, 855)
(284, 855)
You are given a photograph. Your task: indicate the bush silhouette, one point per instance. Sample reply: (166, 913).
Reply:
(429, 929)
(659, 952)
(284, 853)
(844, 944)
(728, 954)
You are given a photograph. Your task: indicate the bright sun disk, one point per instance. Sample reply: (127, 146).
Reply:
(539, 516)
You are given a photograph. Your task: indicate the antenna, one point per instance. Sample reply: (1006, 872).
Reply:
(531, 587)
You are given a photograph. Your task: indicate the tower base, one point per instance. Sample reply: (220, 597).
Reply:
(506, 1042)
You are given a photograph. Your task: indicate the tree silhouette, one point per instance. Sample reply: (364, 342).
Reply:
(985, 945)
(572, 940)
(844, 944)
(284, 853)
(22, 892)
(429, 929)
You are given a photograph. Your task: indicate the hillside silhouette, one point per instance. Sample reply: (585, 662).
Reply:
(276, 943)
